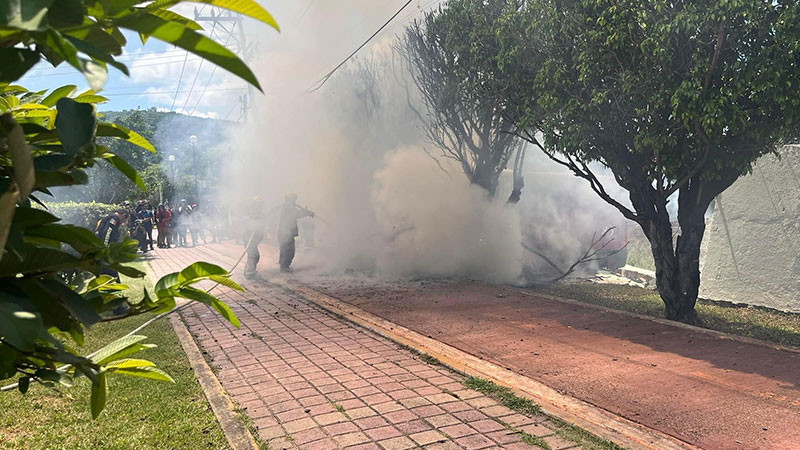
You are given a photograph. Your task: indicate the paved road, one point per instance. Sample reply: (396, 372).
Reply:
(310, 380)
(712, 392)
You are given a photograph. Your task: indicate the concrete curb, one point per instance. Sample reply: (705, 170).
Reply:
(235, 432)
(582, 414)
(671, 323)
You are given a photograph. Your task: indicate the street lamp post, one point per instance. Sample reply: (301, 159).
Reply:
(171, 159)
(192, 142)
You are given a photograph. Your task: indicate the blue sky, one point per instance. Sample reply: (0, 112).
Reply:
(316, 34)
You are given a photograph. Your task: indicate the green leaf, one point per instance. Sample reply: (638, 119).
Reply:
(20, 324)
(78, 307)
(208, 299)
(126, 169)
(99, 393)
(192, 41)
(245, 7)
(128, 363)
(90, 98)
(97, 53)
(26, 217)
(174, 17)
(8, 203)
(21, 158)
(98, 38)
(168, 281)
(15, 62)
(225, 281)
(24, 384)
(24, 14)
(76, 124)
(66, 13)
(152, 373)
(79, 238)
(119, 349)
(61, 49)
(37, 260)
(199, 271)
(50, 178)
(114, 130)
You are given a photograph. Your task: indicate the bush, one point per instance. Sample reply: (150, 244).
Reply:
(83, 215)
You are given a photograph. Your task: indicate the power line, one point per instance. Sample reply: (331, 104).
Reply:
(235, 104)
(197, 74)
(174, 99)
(168, 92)
(136, 66)
(303, 14)
(327, 76)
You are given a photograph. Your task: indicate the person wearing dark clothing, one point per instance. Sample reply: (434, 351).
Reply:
(145, 214)
(287, 230)
(109, 229)
(253, 234)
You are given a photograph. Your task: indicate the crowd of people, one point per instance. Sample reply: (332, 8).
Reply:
(181, 225)
(187, 225)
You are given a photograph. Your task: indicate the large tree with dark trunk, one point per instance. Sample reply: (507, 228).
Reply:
(465, 119)
(677, 99)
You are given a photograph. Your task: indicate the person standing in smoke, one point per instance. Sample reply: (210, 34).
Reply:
(287, 230)
(253, 234)
(109, 229)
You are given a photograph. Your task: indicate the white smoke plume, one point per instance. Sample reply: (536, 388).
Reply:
(354, 152)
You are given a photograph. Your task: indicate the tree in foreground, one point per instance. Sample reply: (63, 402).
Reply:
(52, 285)
(676, 99)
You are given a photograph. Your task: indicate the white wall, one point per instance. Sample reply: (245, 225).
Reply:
(763, 217)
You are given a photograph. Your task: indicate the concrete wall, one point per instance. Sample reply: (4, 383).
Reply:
(760, 264)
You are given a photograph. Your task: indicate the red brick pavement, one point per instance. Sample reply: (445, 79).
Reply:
(311, 380)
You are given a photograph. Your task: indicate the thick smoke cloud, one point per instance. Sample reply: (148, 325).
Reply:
(354, 152)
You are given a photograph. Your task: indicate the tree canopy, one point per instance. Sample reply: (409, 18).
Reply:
(671, 97)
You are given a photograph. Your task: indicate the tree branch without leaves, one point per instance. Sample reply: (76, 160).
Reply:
(589, 255)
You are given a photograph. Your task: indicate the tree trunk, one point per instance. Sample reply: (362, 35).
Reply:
(678, 264)
(486, 177)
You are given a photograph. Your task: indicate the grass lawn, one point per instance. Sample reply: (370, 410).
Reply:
(755, 322)
(140, 414)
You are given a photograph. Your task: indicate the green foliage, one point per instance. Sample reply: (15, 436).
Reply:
(53, 281)
(153, 415)
(672, 97)
(83, 215)
(86, 34)
(503, 395)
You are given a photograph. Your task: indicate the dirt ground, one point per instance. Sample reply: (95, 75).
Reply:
(708, 391)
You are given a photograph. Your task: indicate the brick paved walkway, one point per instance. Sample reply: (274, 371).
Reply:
(311, 380)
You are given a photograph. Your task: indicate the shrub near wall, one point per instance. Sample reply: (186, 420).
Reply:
(81, 214)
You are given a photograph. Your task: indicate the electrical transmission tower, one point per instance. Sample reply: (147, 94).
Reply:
(228, 28)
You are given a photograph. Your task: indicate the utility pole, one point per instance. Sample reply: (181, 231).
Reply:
(193, 142)
(229, 28)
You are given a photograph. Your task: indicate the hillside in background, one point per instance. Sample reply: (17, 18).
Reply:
(166, 179)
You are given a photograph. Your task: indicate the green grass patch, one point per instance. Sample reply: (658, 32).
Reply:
(503, 395)
(534, 440)
(338, 407)
(424, 357)
(749, 321)
(565, 430)
(248, 423)
(587, 440)
(140, 414)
